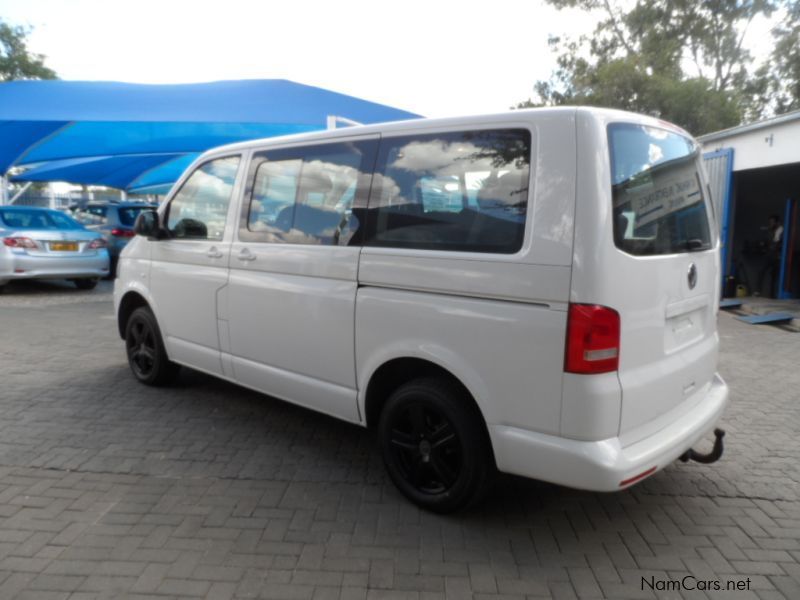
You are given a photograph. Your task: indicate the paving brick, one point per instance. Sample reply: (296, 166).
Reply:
(482, 578)
(526, 586)
(584, 583)
(151, 578)
(381, 574)
(221, 591)
(420, 583)
(184, 587)
(757, 568)
(788, 586)
(56, 583)
(110, 489)
(281, 591)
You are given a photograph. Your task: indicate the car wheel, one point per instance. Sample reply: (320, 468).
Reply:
(85, 284)
(435, 446)
(145, 348)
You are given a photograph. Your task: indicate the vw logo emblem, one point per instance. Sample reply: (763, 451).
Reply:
(691, 276)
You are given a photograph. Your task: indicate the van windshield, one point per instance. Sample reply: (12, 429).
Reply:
(659, 205)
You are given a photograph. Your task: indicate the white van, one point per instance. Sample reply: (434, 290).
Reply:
(533, 292)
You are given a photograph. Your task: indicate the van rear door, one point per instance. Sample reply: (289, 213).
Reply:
(656, 263)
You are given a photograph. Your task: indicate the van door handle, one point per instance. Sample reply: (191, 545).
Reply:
(245, 255)
(214, 253)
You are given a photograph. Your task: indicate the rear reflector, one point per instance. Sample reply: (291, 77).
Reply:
(592, 339)
(649, 471)
(126, 233)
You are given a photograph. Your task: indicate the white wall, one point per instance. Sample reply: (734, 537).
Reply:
(766, 147)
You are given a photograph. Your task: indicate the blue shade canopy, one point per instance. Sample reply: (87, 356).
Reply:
(159, 179)
(112, 171)
(17, 136)
(133, 130)
(96, 138)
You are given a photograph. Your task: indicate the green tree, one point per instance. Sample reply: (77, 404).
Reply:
(682, 60)
(16, 61)
(780, 79)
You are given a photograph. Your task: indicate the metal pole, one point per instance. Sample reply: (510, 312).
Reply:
(332, 121)
(19, 193)
(346, 121)
(3, 190)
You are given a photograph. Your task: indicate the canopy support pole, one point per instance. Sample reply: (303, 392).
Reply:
(3, 190)
(19, 193)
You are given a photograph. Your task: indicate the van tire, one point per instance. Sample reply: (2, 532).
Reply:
(144, 346)
(435, 446)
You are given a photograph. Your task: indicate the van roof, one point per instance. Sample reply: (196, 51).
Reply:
(514, 116)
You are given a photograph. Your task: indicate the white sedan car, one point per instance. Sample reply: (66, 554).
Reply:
(39, 243)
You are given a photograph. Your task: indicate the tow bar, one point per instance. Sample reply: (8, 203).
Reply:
(713, 456)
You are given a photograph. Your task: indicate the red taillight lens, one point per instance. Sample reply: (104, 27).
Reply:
(98, 243)
(592, 339)
(20, 242)
(126, 233)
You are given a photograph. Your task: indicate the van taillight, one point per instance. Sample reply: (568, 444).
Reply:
(592, 339)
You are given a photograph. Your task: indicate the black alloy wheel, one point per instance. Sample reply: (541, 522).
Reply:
(427, 452)
(434, 445)
(145, 348)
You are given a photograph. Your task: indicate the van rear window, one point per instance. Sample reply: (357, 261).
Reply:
(659, 205)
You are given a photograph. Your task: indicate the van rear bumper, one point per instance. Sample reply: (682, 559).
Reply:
(604, 464)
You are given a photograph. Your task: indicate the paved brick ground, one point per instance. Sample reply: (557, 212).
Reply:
(109, 489)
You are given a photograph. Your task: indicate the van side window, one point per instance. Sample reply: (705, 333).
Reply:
(199, 209)
(463, 191)
(274, 191)
(307, 195)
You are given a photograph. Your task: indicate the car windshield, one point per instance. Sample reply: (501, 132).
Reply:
(127, 215)
(37, 219)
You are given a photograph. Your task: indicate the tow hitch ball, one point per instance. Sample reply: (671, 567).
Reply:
(712, 456)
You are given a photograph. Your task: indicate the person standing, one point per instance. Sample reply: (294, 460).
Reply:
(774, 246)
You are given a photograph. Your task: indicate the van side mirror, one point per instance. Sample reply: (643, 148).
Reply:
(147, 224)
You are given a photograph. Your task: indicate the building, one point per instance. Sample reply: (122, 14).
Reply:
(754, 172)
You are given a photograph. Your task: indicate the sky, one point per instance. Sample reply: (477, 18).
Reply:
(432, 57)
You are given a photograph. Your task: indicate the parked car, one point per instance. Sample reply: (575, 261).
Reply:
(535, 292)
(114, 220)
(39, 243)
